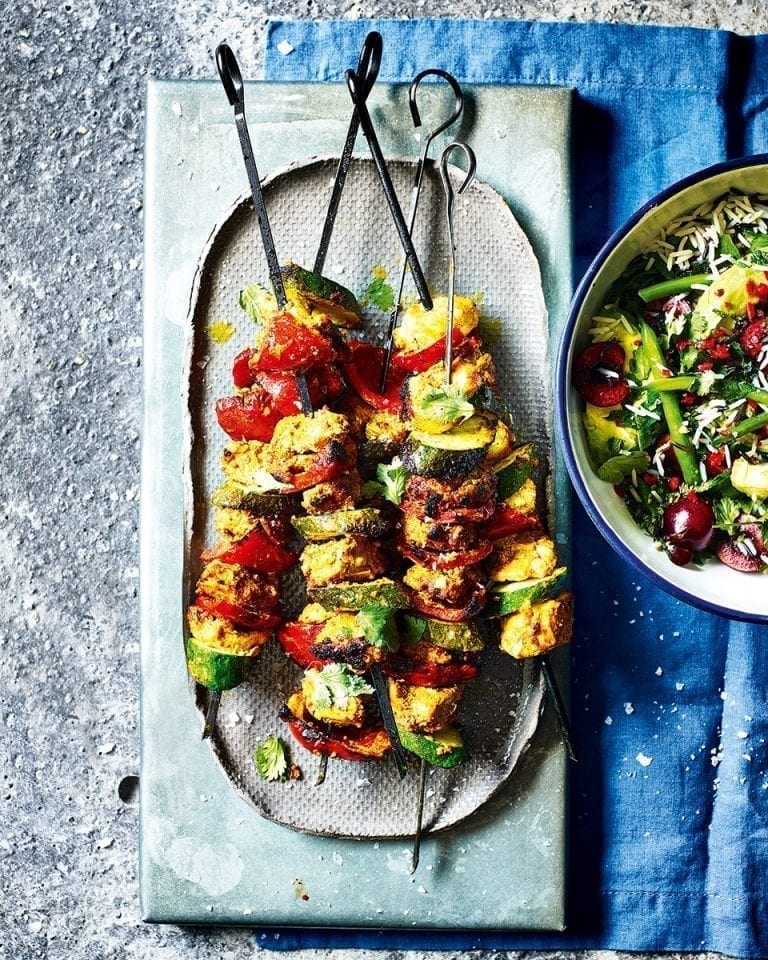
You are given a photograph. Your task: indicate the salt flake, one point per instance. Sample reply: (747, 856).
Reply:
(284, 48)
(643, 760)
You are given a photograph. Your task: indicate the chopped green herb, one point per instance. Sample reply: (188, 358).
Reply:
(414, 629)
(335, 684)
(378, 625)
(390, 482)
(380, 294)
(252, 300)
(447, 404)
(271, 759)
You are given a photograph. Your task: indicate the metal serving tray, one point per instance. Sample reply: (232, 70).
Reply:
(206, 855)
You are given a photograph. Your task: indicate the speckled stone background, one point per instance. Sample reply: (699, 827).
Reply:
(71, 128)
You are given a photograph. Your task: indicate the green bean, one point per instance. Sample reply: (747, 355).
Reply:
(668, 288)
(671, 409)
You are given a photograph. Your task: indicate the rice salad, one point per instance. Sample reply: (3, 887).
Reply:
(675, 384)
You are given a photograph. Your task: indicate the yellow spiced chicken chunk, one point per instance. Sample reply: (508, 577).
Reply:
(538, 627)
(353, 559)
(526, 556)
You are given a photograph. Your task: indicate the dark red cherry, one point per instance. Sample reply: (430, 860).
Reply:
(688, 522)
(680, 555)
(598, 374)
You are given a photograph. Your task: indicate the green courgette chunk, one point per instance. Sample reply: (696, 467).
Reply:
(511, 597)
(215, 670)
(354, 596)
(326, 526)
(442, 749)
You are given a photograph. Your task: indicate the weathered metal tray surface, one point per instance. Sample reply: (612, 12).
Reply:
(206, 856)
(499, 711)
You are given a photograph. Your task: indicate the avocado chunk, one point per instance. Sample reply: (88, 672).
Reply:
(605, 437)
(750, 478)
(725, 299)
(443, 749)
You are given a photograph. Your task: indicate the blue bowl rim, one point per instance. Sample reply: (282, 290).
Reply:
(562, 386)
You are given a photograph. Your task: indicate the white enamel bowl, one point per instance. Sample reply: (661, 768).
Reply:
(714, 586)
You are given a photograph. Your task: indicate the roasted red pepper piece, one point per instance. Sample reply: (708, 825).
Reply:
(367, 744)
(445, 559)
(242, 375)
(431, 674)
(248, 416)
(598, 376)
(417, 361)
(257, 551)
(296, 639)
(320, 473)
(363, 374)
(441, 611)
(244, 616)
(288, 346)
(507, 521)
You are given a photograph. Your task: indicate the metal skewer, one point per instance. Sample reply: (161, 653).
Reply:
(449, 201)
(367, 69)
(449, 198)
(211, 713)
(559, 707)
(232, 81)
(356, 90)
(458, 106)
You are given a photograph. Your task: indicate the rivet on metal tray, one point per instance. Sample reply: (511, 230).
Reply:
(458, 106)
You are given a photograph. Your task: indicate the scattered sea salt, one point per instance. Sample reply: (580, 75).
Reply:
(659, 671)
(284, 48)
(643, 760)
(628, 709)
(679, 686)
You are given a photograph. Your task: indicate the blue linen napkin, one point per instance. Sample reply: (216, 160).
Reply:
(669, 805)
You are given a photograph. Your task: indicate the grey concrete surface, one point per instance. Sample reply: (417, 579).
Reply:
(71, 128)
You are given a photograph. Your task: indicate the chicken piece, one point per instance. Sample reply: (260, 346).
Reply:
(237, 584)
(443, 586)
(342, 640)
(437, 495)
(419, 328)
(242, 459)
(423, 709)
(352, 713)
(233, 524)
(524, 498)
(425, 534)
(223, 636)
(333, 495)
(538, 627)
(468, 375)
(301, 443)
(386, 427)
(526, 556)
(352, 559)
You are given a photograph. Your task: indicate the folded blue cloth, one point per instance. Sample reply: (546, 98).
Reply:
(669, 805)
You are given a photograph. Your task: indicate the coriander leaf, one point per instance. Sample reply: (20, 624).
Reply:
(253, 300)
(378, 626)
(335, 684)
(727, 514)
(447, 404)
(271, 760)
(392, 477)
(727, 247)
(414, 629)
(381, 294)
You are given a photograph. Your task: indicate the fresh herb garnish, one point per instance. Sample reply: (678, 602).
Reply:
(447, 404)
(251, 298)
(381, 294)
(378, 625)
(414, 629)
(271, 759)
(390, 482)
(335, 684)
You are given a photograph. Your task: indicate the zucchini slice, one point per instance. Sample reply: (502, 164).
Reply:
(443, 749)
(476, 433)
(327, 296)
(236, 495)
(465, 636)
(510, 597)
(437, 464)
(326, 526)
(213, 669)
(354, 596)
